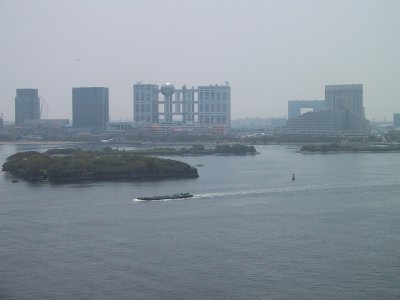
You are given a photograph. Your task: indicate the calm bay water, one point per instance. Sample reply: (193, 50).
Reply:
(248, 233)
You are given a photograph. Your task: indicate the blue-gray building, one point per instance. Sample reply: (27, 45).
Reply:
(396, 120)
(90, 108)
(27, 106)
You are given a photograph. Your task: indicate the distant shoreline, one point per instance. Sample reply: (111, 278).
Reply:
(38, 142)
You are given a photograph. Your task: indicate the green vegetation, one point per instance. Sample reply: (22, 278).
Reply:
(350, 147)
(235, 149)
(223, 149)
(66, 165)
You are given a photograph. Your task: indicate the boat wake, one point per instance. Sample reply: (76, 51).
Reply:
(285, 189)
(299, 188)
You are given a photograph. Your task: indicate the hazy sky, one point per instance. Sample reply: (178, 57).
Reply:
(269, 51)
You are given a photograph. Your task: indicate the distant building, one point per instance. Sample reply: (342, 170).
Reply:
(90, 108)
(207, 105)
(258, 123)
(327, 120)
(215, 105)
(45, 127)
(27, 105)
(396, 120)
(122, 126)
(145, 103)
(345, 96)
(343, 111)
(295, 106)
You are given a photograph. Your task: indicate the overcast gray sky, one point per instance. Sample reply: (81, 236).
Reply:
(269, 51)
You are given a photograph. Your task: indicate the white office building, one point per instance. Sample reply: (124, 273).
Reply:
(206, 105)
(346, 96)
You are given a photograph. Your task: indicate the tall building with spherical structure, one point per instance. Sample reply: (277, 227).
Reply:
(168, 90)
(205, 107)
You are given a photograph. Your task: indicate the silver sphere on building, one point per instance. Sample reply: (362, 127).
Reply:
(167, 89)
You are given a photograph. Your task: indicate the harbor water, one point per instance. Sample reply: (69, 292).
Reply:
(249, 232)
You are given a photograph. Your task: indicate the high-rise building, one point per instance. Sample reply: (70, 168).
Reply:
(90, 107)
(207, 105)
(145, 103)
(343, 111)
(346, 96)
(27, 105)
(215, 104)
(396, 120)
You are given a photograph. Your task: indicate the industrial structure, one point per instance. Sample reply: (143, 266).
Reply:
(205, 105)
(90, 108)
(27, 105)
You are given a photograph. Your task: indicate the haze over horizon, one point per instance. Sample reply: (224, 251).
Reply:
(269, 51)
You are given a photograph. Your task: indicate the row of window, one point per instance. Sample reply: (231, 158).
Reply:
(212, 95)
(213, 107)
(142, 108)
(213, 120)
(142, 97)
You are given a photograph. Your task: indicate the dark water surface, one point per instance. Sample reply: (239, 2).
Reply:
(248, 233)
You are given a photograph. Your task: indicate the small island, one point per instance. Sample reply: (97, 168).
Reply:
(350, 147)
(197, 149)
(76, 165)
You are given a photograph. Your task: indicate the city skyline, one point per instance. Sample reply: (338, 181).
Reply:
(270, 52)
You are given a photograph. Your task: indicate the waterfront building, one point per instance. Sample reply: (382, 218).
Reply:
(342, 111)
(396, 120)
(90, 107)
(327, 120)
(27, 105)
(145, 103)
(121, 126)
(295, 106)
(345, 96)
(214, 105)
(206, 105)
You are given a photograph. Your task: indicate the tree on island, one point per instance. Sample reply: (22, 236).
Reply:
(79, 165)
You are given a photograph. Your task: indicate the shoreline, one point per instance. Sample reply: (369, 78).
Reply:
(39, 142)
